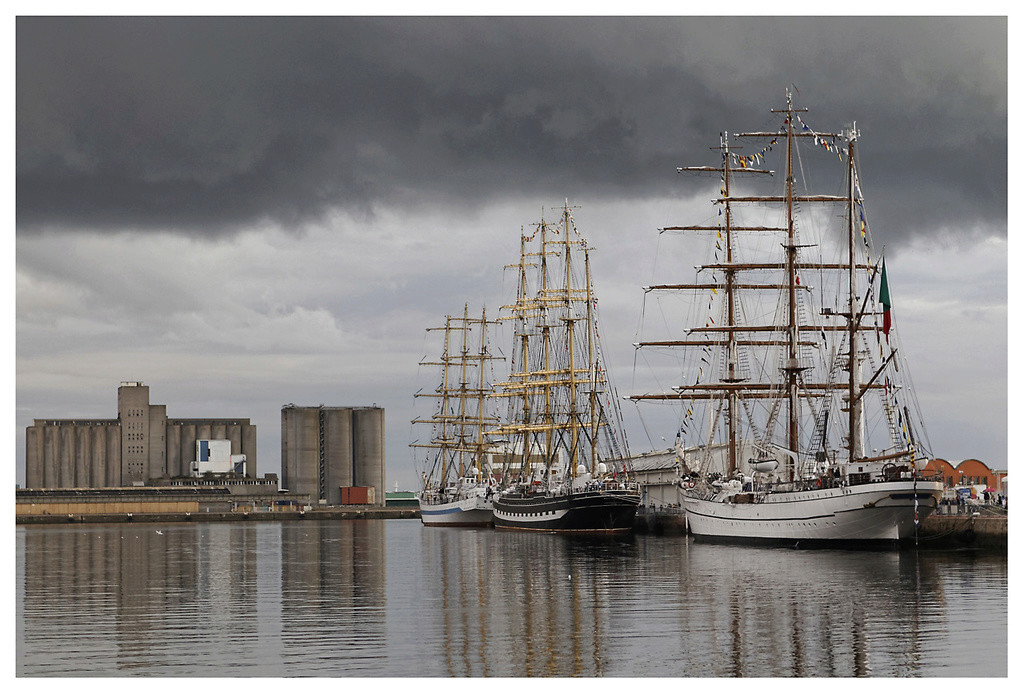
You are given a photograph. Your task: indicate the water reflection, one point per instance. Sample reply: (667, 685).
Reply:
(203, 599)
(522, 604)
(391, 598)
(783, 613)
(667, 607)
(332, 596)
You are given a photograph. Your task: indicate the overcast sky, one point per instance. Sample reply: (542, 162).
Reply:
(243, 213)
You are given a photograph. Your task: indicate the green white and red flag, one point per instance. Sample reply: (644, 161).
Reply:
(883, 298)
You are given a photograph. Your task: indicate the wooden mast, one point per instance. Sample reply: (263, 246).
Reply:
(564, 363)
(525, 345)
(591, 361)
(730, 278)
(732, 384)
(546, 342)
(570, 331)
(792, 367)
(442, 483)
(463, 364)
(482, 384)
(731, 343)
(856, 445)
(454, 430)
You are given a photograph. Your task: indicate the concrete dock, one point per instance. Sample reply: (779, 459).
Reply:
(335, 513)
(985, 529)
(982, 527)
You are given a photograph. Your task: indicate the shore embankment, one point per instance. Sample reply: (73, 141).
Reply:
(985, 528)
(335, 513)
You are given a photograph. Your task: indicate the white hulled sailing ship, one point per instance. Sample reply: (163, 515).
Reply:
(457, 488)
(563, 470)
(796, 421)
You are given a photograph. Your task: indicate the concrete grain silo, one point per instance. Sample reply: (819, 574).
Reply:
(336, 427)
(368, 450)
(173, 443)
(325, 450)
(99, 456)
(299, 451)
(141, 446)
(113, 456)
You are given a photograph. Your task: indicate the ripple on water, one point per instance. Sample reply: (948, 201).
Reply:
(391, 598)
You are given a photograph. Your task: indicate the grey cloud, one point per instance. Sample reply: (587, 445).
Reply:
(210, 124)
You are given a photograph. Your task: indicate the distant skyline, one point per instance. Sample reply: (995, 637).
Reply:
(248, 212)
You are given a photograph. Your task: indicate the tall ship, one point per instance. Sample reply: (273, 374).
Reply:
(457, 489)
(798, 424)
(565, 466)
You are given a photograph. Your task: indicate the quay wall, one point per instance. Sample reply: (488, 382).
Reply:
(175, 504)
(982, 531)
(665, 522)
(150, 516)
(112, 507)
(142, 500)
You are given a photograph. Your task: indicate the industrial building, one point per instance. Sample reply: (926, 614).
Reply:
(327, 451)
(141, 446)
(968, 472)
(657, 472)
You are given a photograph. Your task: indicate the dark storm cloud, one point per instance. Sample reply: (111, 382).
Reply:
(208, 124)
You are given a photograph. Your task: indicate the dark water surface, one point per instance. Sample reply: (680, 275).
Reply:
(392, 598)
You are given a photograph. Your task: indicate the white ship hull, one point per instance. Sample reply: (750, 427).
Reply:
(467, 511)
(872, 512)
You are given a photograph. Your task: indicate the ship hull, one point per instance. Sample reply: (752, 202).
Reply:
(469, 512)
(874, 513)
(595, 512)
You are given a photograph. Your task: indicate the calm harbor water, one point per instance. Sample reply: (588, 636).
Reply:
(392, 598)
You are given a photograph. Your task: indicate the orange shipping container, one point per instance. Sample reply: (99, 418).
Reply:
(357, 495)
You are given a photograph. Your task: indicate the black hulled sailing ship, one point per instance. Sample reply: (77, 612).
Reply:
(564, 450)
(796, 404)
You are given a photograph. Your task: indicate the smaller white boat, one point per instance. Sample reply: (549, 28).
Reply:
(467, 504)
(456, 492)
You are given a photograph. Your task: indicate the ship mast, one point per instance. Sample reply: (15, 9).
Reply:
(442, 442)
(730, 281)
(792, 367)
(484, 356)
(730, 268)
(464, 363)
(732, 385)
(591, 361)
(546, 342)
(520, 314)
(570, 344)
(556, 379)
(459, 428)
(855, 407)
(445, 393)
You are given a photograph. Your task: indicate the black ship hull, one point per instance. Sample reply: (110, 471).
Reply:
(596, 512)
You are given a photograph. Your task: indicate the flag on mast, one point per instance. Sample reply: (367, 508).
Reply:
(883, 298)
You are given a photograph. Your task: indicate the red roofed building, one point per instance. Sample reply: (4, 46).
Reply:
(966, 473)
